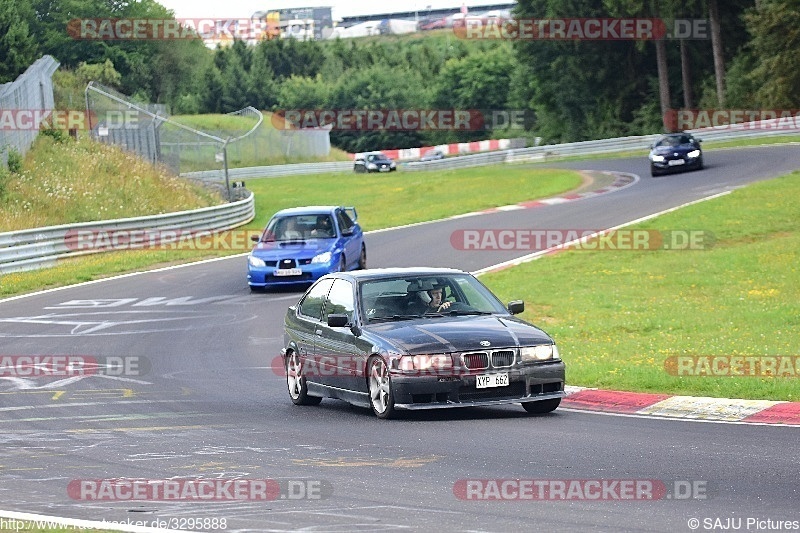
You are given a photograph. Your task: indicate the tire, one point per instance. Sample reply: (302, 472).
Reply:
(700, 165)
(296, 383)
(542, 407)
(342, 264)
(379, 383)
(362, 260)
(653, 172)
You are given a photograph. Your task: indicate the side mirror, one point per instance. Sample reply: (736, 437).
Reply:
(347, 232)
(338, 320)
(516, 307)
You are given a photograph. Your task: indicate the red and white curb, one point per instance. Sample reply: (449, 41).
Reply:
(621, 181)
(683, 407)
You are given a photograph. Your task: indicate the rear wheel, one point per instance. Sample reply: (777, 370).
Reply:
(542, 407)
(362, 260)
(381, 398)
(298, 389)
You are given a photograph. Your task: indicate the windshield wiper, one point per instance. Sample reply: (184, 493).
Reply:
(394, 317)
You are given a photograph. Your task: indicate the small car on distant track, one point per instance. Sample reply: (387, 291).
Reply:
(374, 162)
(416, 338)
(302, 244)
(675, 151)
(432, 155)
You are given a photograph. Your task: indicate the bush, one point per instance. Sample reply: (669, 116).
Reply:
(14, 161)
(57, 135)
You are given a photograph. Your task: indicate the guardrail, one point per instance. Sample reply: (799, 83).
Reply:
(42, 247)
(536, 153)
(272, 171)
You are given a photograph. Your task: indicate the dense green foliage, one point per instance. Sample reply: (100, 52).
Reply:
(576, 90)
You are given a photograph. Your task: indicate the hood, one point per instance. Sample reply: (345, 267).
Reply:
(458, 334)
(280, 249)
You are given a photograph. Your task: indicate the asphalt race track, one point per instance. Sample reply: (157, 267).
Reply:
(213, 405)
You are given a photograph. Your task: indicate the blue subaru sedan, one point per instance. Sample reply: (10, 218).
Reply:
(302, 244)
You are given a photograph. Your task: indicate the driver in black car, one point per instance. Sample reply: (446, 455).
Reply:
(428, 298)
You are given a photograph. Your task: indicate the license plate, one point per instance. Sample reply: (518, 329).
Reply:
(385, 169)
(676, 162)
(491, 380)
(288, 272)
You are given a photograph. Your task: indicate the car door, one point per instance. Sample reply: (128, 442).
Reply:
(308, 328)
(336, 351)
(352, 237)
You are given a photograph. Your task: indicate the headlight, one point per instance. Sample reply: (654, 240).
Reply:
(392, 164)
(425, 363)
(542, 352)
(694, 154)
(372, 166)
(255, 261)
(657, 158)
(322, 258)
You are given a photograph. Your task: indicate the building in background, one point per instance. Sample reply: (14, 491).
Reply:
(302, 23)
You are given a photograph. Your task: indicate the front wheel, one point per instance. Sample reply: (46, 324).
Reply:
(381, 398)
(542, 407)
(298, 389)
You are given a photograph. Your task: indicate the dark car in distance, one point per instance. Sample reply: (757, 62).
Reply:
(416, 338)
(374, 162)
(675, 151)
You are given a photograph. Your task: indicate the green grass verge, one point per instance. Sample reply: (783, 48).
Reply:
(382, 201)
(267, 145)
(617, 315)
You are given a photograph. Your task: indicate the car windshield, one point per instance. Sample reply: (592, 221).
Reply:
(408, 297)
(674, 141)
(299, 227)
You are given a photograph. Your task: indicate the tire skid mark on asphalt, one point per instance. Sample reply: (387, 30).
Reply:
(399, 462)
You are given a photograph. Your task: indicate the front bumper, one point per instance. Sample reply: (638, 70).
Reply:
(265, 276)
(527, 383)
(677, 163)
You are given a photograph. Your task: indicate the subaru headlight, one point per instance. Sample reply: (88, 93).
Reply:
(694, 154)
(657, 158)
(255, 261)
(372, 166)
(543, 352)
(324, 257)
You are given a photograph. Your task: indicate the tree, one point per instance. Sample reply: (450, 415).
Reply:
(18, 48)
(776, 44)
